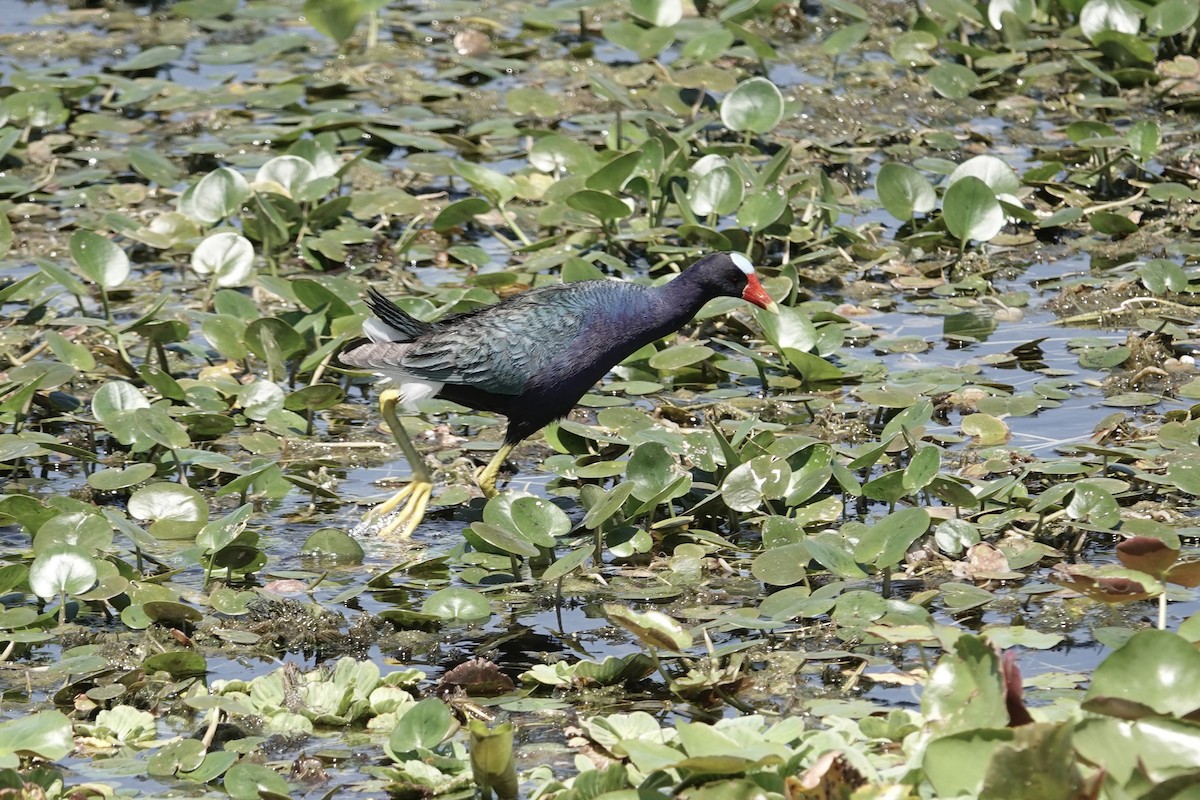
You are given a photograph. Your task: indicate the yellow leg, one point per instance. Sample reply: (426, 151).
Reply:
(415, 496)
(487, 476)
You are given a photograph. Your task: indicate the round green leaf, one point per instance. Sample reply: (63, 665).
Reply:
(539, 520)
(603, 206)
(1157, 669)
(995, 172)
(285, 175)
(227, 256)
(719, 191)
(246, 781)
(423, 726)
(783, 565)
(663, 13)
(971, 210)
(45, 734)
(904, 191)
(953, 81)
(99, 259)
(61, 570)
(755, 105)
(177, 511)
(333, 543)
(654, 628)
(1098, 16)
(458, 604)
(219, 194)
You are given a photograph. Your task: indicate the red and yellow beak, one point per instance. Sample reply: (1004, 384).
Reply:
(755, 293)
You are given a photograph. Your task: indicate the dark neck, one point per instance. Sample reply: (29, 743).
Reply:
(678, 301)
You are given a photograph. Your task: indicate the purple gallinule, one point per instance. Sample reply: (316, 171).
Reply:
(529, 357)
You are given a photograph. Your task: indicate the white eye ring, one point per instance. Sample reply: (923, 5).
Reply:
(742, 263)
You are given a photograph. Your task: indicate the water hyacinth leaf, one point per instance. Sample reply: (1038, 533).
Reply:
(782, 565)
(762, 209)
(600, 205)
(150, 58)
(885, 542)
(154, 166)
(539, 520)
(998, 175)
(99, 259)
(287, 175)
(645, 43)
(62, 570)
(680, 356)
(662, 13)
(460, 212)
(1160, 276)
(1155, 669)
(904, 191)
(91, 533)
(221, 532)
(761, 478)
(333, 544)
(247, 781)
(501, 540)
(1022, 10)
(1144, 138)
(422, 727)
(719, 191)
(316, 397)
(953, 81)
(608, 505)
(988, 430)
(218, 195)
(496, 187)
(110, 480)
(177, 511)
(913, 48)
(844, 39)
(650, 469)
(1093, 503)
(271, 338)
(755, 106)
(829, 551)
(653, 628)
(171, 613)
(1098, 16)
(154, 426)
(613, 175)
(227, 256)
(335, 19)
(1171, 17)
(6, 235)
(567, 564)
(971, 211)
(45, 734)
(965, 690)
(457, 604)
(923, 467)
(1185, 475)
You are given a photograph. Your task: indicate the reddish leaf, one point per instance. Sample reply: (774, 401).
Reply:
(1147, 554)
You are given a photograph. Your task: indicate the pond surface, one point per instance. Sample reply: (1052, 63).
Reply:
(1032, 394)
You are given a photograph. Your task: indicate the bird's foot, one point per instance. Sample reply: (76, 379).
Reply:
(414, 498)
(486, 482)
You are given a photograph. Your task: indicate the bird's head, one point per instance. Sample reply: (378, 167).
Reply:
(732, 275)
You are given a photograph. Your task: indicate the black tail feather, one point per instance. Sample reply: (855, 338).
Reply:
(395, 317)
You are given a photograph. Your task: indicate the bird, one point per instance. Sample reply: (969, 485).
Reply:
(529, 357)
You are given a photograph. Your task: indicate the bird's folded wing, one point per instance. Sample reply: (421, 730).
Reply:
(498, 349)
